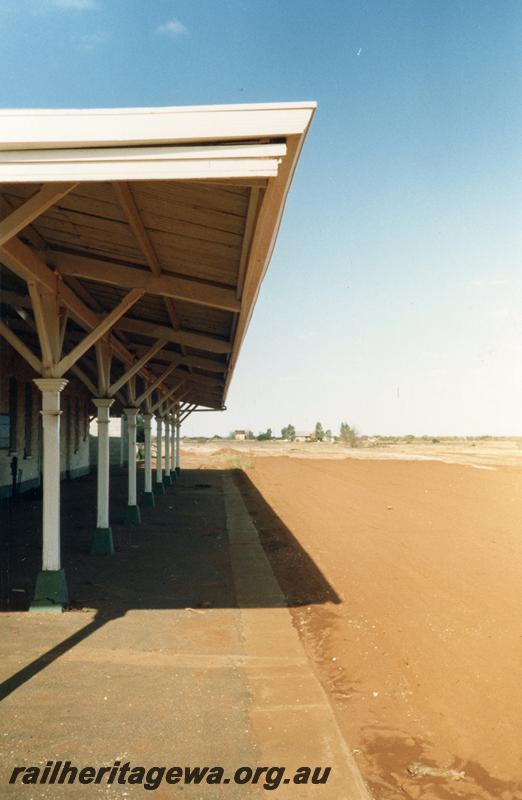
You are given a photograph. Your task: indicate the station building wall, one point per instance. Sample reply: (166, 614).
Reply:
(21, 426)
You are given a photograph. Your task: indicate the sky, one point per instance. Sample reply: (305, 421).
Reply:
(393, 298)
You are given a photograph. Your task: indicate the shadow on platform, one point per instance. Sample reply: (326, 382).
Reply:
(178, 558)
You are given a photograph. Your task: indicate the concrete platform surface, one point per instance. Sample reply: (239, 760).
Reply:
(179, 650)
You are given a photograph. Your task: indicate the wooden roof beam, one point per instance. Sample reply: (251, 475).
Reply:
(22, 216)
(199, 341)
(29, 232)
(112, 273)
(84, 378)
(29, 266)
(21, 348)
(204, 380)
(165, 397)
(148, 391)
(130, 209)
(196, 362)
(135, 368)
(253, 203)
(100, 330)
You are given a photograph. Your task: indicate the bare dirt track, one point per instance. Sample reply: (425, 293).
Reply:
(422, 655)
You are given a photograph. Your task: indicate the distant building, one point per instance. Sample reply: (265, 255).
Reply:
(240, 436)
(304, 436)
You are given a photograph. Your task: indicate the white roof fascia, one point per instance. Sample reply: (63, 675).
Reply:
(141, 163)
(40, 128)
(265, 246)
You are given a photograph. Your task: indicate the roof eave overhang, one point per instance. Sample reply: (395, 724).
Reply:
(189, 143)
(42, 128)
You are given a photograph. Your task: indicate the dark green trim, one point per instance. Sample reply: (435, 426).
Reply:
(79, 472)
(51, 592)
(148, 500)
(34, 483)
(24, 486)
(102, 543)
(133, 515)
(72, 474)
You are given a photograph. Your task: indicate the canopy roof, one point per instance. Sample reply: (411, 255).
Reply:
(153, 227)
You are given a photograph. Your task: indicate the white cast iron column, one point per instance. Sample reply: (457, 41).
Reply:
(172, 449)
(178, 425)
(148, 497)
(102, 542)
(158, 486)
(133, 510)
(51, 587)
(166, 474)
(123, 440)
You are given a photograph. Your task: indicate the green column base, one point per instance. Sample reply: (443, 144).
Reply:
(148, 500)
(133, 515)
(173, 476)
(159, 488)
(178, 470)
(167, 480)
(51, 592)
(102, 544)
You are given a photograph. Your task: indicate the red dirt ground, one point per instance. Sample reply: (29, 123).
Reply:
(422, 657)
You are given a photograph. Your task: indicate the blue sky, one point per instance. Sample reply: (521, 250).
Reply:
(393, 300)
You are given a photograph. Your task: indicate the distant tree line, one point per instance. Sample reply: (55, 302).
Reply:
(347, 434)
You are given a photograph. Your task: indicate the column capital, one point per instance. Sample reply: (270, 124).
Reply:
(147, 417)
(51, 384)
(102, 402)
(131, 412)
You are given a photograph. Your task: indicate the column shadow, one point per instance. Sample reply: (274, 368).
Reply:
(178, 558)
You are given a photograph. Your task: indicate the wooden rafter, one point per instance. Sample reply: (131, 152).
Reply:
(165, 397)
(91, 301)
(131, 211)
(46, 312)
(199, 341)
(100, 330)
(29, 232)
(103, 353)
(253, 204)
(114, 274)
(131, 372)
(192, 362)
(21, 348)
(153, 386)
(84, 378)
(29, 266)
(22, 216)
